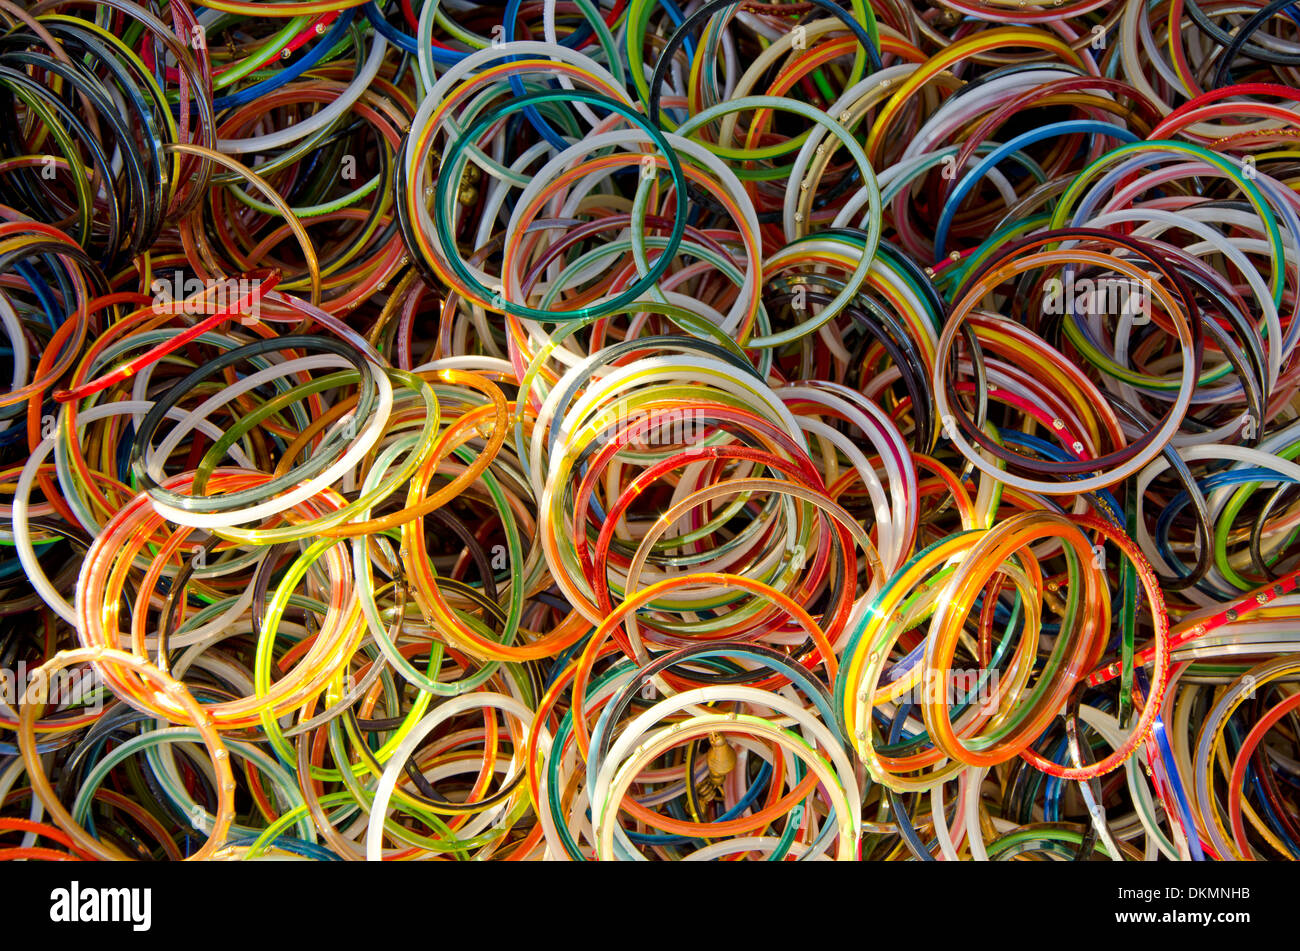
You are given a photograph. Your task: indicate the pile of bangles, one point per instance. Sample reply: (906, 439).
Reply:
(650, 429)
